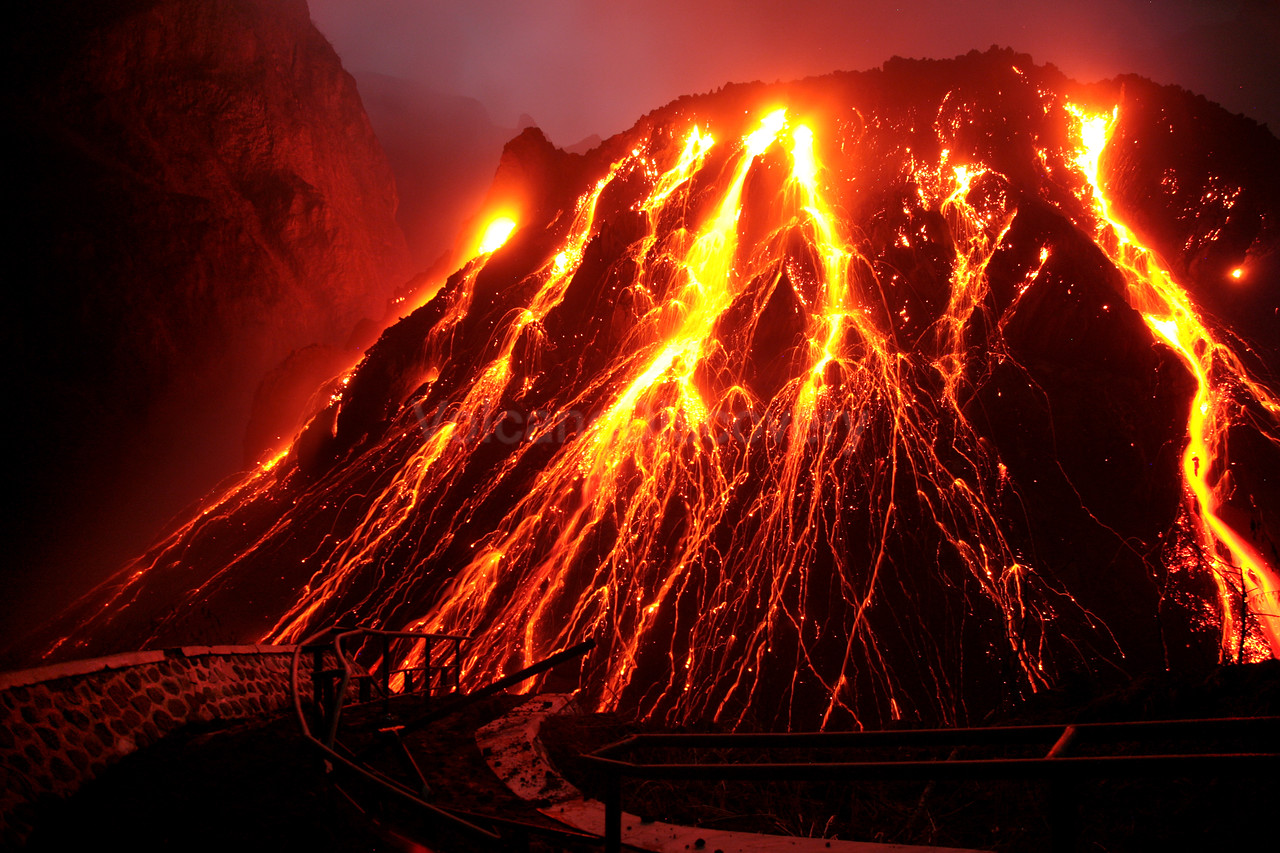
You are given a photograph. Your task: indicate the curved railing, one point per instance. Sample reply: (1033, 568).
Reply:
(440, 671)
(334, 681)
(346, 672)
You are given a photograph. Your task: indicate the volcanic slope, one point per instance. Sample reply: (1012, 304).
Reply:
(881, 395)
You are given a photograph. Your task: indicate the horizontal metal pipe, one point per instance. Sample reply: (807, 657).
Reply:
(1091, 732)
(1002, 768)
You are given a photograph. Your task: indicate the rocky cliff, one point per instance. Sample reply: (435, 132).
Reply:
(199, 194)
(442, 149)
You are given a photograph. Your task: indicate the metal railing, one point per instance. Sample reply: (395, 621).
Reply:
(439, 674)
(1056, 764)
(347, 669)
(341, 682)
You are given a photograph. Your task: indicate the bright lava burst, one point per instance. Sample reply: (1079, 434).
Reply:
(767, 489)
(497, 233)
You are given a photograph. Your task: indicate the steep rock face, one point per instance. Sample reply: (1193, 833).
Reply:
(200, 194)
(442, 149)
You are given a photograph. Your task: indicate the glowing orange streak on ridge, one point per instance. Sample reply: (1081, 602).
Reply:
(1168, 311)
(623, 474)
(496, 234)
(433, 466)
(618, 435)
(976, 247)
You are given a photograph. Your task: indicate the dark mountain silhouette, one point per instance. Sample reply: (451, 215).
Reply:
(442, 149)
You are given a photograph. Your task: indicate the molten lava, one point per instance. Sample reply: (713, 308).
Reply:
(1223, 389)
(495, 234)
(753, 413)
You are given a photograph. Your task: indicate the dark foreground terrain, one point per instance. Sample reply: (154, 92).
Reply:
(260, 787)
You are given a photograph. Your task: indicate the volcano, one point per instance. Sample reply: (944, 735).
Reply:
(899, 394)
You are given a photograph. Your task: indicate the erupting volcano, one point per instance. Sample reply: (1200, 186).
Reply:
(893, 394)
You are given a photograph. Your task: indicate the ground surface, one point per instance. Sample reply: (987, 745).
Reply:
(1113, 815)
(263, 787)
(251, 787)
(209, 787)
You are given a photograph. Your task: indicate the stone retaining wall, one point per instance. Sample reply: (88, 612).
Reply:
(62, 725)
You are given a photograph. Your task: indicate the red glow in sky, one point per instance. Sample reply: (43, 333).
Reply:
(581, 66)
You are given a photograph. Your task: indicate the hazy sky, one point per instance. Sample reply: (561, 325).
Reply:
(594, 66)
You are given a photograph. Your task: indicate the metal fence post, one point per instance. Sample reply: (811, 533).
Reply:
(613, 813)
(386, 675)
(317, 666)
(426, 669)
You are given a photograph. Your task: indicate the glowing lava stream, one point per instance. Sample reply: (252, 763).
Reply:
(657, 461)
(1219, 377)
(435, 465)
(759, 489)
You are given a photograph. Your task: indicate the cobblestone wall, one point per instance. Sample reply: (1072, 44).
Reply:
(62, 725)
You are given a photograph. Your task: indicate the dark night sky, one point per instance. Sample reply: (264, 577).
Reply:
(587, 66)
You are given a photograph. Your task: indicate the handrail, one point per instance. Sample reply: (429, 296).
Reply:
(334, 756)
(1055, 765)
(987, 735)
(502, 683)
(329, 745)
(347, 665)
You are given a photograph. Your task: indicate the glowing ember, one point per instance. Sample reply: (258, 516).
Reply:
(742, 419)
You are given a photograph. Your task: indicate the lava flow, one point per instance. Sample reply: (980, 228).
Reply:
(1224, 391)
(778, 411)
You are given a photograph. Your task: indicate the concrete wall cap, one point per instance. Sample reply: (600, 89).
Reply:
(126, 660)
(249, 650)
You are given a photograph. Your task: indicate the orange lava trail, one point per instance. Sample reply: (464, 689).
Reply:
(1222, 383)
(600, 517)
(744, 502)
